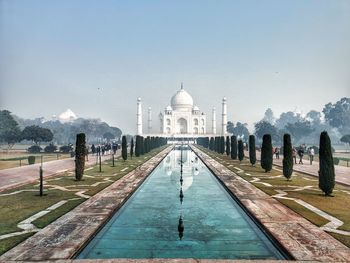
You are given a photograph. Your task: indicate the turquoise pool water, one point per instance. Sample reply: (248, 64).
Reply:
(214, 226)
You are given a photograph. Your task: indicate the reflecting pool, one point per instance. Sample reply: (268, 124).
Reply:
(178, 214)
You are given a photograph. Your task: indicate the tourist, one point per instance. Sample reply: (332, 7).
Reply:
(301, 154)
(114, 147)
(277, 152)
(311, 154)
(294, 153)
(93, 149)
(103, 150)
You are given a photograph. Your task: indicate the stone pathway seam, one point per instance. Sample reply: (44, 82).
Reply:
(27, 224)
(330, 227)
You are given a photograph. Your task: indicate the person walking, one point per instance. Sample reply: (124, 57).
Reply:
(301, 154)
(277, 152)
(294, 153)
(312, 154)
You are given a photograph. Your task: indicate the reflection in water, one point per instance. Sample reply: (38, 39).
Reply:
(181, 228)
(216, 226)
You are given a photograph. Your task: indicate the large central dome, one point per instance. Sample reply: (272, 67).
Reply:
(182, 100)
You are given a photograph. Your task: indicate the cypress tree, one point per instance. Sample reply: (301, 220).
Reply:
(252, 151)
(233, 147)
(228, 150)
(142, 145)
(148, 144)
(266, 153)
(287, 156)
(212, 144)
(326, 179)
(124, 148)
(145, 146)
(80, 156)
(137, 146)
(152, 143)
(132, 147)
(240, 150)
(222, 144)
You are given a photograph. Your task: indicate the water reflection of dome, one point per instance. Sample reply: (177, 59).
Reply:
(172, 169)
(169, 170)
(178, 157)
(187, 180)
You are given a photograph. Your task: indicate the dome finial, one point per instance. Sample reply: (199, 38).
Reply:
(182, 85)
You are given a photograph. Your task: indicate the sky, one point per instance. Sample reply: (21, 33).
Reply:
(97, 57)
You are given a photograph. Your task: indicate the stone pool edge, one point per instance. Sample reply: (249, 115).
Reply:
(66, 236)
(300, 238)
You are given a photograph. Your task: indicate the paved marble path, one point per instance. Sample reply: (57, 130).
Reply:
(157, 260)
(14, 177)
(342, 173)
(303, 240)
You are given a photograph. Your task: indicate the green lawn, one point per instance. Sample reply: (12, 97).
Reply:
(17, 159)
(337, 206)
(17, 207)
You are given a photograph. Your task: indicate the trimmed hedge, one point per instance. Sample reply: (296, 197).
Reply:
(80, 150)
(326, 179)
(287, 156)
(266, 153)
(31, 159)
(34, 149)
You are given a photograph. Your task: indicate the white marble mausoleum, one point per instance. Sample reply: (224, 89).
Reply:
(182, 117)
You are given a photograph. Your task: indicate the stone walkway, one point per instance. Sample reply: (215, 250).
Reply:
(14, 177)
(303, 240)
(342, 173)
(158, 260)
(65, 236)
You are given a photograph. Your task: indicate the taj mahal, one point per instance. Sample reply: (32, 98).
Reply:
(182, 118)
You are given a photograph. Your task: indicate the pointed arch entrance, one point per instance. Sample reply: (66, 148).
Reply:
(182, 125)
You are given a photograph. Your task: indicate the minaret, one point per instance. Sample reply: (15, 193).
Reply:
(224, 117)
(149, 120)
(214, 121)
(139, 117)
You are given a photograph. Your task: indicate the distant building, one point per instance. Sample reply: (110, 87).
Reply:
(67, 116)
(182, 117)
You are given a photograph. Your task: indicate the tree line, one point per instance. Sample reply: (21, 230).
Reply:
(14, 130)
(234, 149)
(142, 146)
(334, 118)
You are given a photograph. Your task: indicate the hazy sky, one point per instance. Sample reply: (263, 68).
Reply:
(97, 57)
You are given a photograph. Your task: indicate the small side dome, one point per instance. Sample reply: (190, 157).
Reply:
(195, 108)
(168, 108)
